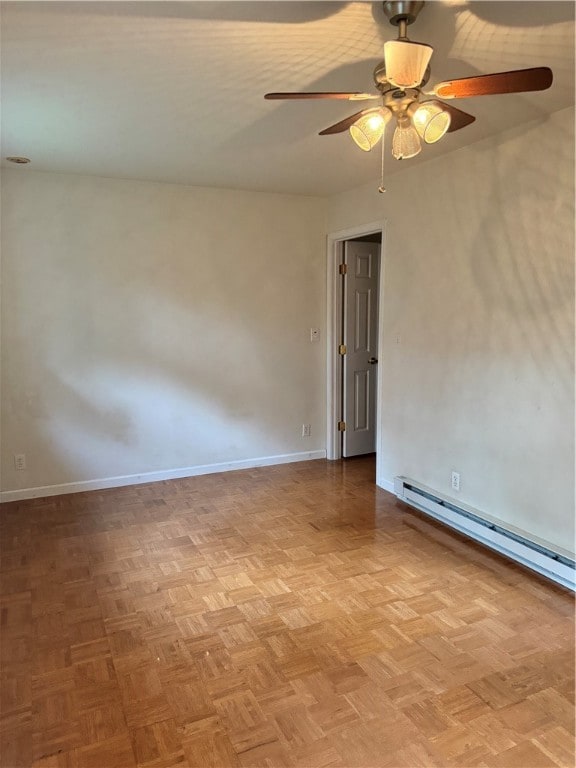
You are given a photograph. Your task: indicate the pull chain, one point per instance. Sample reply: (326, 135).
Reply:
(382, 188)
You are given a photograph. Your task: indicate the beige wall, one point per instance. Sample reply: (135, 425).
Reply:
(479, 293)
(148, 327)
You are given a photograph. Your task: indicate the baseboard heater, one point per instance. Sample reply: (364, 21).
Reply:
(554, 564)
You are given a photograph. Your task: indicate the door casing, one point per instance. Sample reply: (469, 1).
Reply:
(335, 248)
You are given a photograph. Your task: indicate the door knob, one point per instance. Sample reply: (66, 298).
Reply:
(373, 360)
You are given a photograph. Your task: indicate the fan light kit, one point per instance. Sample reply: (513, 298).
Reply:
(419, 115)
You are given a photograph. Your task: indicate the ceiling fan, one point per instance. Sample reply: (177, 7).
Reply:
(400, 79)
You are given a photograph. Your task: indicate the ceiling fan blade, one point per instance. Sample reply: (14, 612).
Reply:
(343, 125)
(535, 79)
(324, 95)
(458, 118)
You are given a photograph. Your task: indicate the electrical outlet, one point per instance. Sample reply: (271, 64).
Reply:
(306, 430)
(20, 461)
(455, 481)
(314, 334)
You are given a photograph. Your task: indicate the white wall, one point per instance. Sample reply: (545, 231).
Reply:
(479, 291)
(148, 327)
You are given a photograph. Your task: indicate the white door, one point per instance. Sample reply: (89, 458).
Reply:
(360, 330)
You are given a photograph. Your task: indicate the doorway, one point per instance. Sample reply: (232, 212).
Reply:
(354, 292)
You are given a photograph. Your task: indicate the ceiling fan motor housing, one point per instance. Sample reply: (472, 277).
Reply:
(402, 11)
(382, 83)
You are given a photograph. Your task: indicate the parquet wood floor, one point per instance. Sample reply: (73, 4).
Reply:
(283, 616)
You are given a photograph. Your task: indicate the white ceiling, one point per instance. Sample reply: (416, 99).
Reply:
(173, 91)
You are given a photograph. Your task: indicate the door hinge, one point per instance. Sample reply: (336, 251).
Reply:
(341, 426)
(342, 349)
(343, 269)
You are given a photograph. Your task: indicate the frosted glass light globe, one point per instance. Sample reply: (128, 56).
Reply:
(405, 142)
(430, 120)
(369, 129)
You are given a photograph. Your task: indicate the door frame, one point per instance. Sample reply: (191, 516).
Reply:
(334, 251)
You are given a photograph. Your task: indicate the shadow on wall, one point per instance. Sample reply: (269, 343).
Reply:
(526, 277)
(485, 301)
(152, 361)
(505, 218)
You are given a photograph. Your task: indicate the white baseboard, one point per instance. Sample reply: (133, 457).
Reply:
(153, 477)
(385, 484)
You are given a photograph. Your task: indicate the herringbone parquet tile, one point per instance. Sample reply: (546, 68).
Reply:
(284, 616)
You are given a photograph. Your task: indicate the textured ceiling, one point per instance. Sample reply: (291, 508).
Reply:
(173, 91)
